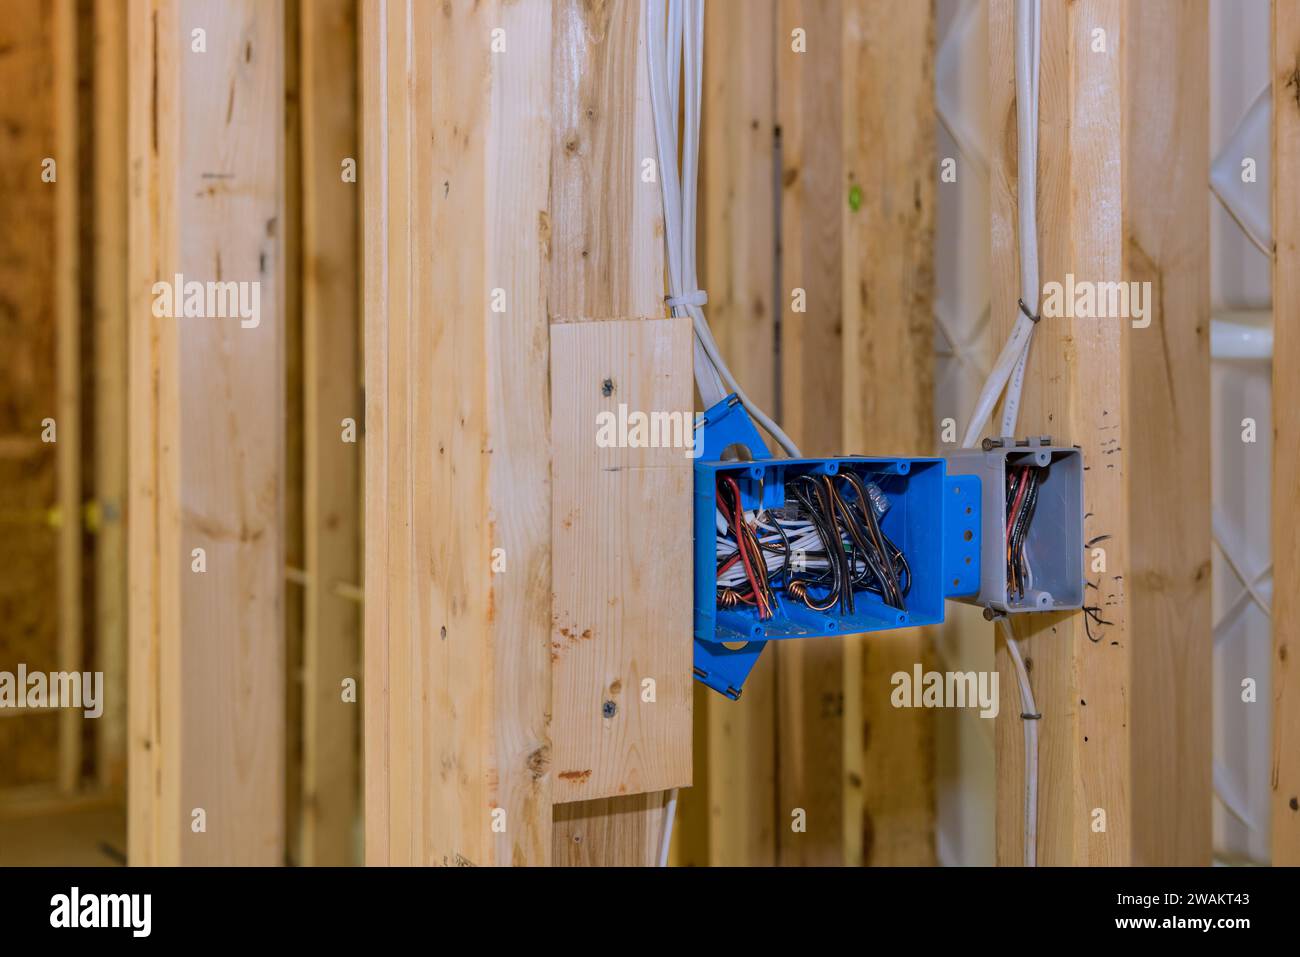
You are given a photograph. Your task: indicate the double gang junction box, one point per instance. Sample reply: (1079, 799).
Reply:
(932, 517)
(950, 527)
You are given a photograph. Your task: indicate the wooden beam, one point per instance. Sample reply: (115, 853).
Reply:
(1075, 391)
(890, 170)
(207, 435)
(810, 679)
(1167, 243)
(110, 211)
(67, 318)
(330, 297)
(615, 511)
(1285, 779)
(728, 817)
(456, 171)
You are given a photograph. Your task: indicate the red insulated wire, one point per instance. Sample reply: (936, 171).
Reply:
(742, 545)
(1022, 483)
(734, 558)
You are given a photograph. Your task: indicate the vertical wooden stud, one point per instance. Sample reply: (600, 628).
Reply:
(456, 167)
(67, 317)
(110, 267)
(888, 209)
(728, 816)
(1075, 391)
(1285, 780)
(207, 434)
(810, 679)
(1167, 243)
(613, 508)
(330, 297)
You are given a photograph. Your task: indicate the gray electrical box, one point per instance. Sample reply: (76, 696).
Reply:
(1046, 573)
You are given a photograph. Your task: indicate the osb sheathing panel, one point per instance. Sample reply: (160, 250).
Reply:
(28, 599)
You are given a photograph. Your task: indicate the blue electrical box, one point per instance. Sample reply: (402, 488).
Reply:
(929, 518)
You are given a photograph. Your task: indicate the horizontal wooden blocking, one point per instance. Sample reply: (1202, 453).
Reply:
(621, 556)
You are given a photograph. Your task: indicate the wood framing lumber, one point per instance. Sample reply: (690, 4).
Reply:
(295, 482)
(1285, 778)
(728, 816)
(609, 832)
(110, 271)
(67, 317)
(856, 272)
(890, 173)
(456, 172)
(621, 718)
(206, 403)
(1167, 243)
(810, 679)
(1074, 391)
(1123, 156)
(331, 404)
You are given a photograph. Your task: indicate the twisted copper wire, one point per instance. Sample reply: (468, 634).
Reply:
(729, 598)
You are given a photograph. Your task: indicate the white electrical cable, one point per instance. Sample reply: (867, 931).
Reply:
(1011, 361)
(1009, 370)
(1028, 708)
(1027, 63)
(666, 838)
(675, 63)
(675, 37)
(662, 54)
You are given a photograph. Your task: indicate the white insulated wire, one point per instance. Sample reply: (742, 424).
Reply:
(675, 47)
(1009, 370)
(1028, 707)
(666, 839)
(1010, 365)
(663, 46)
(1027, 65)
(675, 34)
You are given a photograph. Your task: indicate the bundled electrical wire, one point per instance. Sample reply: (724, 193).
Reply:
(675, 53)
(821, 550)
(1009, 369)
(675, 64)
(1022, 499)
